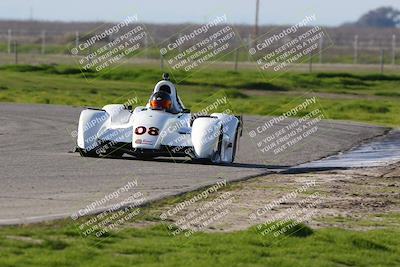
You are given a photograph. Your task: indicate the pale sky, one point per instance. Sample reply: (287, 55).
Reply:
(329, 13)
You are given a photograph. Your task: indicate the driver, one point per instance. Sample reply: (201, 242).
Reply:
(161, 101)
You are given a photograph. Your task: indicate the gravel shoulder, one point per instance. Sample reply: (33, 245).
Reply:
(358, 199)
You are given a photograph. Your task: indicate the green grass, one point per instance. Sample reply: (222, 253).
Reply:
(374, 221)
(60, 244)
(371, 98)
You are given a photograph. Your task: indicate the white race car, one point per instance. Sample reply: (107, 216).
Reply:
(164, 127)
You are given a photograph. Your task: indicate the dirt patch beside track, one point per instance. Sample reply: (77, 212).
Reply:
(362, 199)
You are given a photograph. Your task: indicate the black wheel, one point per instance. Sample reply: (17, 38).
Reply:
(116, 153)
(144, 157)
(85, 153)
(202, 161)
(219, 145)
(235, 145)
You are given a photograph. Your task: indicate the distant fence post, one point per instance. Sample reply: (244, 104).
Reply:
(355, 60)
(16, 52)
(43, 42)
(161, 62)
(180, 47)
(382, 60)
(249, 44)
(76, 39)
(146, 44)
(236, 59)
(321, 44)
(9, 37)
(393, 49)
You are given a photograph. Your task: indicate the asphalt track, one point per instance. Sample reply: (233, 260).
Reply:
(40, 179)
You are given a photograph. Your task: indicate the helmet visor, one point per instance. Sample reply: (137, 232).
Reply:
(161, 104)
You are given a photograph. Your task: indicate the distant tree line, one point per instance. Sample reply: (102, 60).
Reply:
(382, 17)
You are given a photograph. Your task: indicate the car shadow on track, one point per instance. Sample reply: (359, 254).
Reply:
(283, 169)
(188, 161)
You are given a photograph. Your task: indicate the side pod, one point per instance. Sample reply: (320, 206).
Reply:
(90, 122)
(205, 134)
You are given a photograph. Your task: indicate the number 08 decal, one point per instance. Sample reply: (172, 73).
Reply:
(152, 130)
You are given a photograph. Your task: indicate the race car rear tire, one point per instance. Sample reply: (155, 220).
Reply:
(218, 153)
(202, 161)
(235, 145)
(85, 153)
